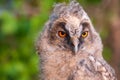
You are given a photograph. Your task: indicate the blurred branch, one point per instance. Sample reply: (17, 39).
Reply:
(115, 29)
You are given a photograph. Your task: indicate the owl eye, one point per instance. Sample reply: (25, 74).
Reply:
(62, 34)
(84, 34)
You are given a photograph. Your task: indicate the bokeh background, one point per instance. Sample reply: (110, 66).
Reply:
(22, 20)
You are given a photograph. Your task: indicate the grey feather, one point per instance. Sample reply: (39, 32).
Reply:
(73, 57)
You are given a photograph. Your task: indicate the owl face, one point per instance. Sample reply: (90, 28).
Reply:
(70, 33)
(69, 29)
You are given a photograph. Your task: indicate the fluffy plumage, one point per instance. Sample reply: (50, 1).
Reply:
(71, 56)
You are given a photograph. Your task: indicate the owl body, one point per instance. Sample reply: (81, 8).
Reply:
(70, 48)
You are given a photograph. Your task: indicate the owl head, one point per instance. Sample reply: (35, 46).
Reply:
(70, 29)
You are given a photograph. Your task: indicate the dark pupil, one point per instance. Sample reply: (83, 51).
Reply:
(84, 33)
(62, 33)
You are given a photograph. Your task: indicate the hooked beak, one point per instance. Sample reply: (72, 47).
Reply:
(75, 43)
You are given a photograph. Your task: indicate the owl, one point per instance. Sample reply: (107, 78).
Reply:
(70, 48)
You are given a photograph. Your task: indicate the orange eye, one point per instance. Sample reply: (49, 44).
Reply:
(85, 34)
(62, 34)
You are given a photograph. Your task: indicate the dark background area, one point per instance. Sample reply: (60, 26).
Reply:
(22, 20)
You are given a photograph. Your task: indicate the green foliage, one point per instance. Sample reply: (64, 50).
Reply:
(9, 23)
(18, 60)
(93, 1)
(107, 53)
(104, 33)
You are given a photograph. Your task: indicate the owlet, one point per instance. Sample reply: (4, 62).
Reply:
(70, 48)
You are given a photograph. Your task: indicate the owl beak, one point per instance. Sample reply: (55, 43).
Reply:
(75, 43)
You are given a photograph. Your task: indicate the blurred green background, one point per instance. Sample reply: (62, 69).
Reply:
(20, 24)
